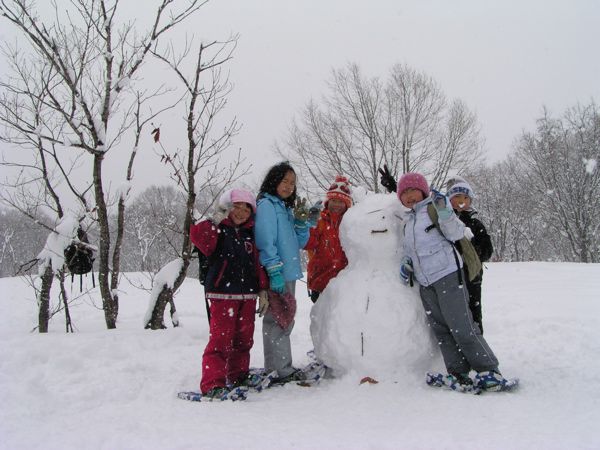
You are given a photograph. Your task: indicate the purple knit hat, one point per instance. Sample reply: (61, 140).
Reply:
(412, 180)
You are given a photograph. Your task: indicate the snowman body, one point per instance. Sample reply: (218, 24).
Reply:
(367, 322)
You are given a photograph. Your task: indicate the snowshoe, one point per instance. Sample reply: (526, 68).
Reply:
(296, 375)
(216, 394)
(492, 381)
(456, 382)
(257, 380)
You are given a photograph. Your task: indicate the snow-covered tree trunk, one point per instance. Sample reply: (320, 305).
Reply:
(108, 304)
(206, 98)
(166, 294)
(65, 300)
(44, 299)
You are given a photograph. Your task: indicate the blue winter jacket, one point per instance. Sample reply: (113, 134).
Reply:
(277, 238)
(432, 254)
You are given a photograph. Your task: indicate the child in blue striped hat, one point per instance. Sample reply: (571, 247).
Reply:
(461, 196)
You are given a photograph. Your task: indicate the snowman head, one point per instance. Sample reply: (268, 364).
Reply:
(370, 231)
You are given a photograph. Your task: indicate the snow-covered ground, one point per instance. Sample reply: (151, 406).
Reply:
(100, 389)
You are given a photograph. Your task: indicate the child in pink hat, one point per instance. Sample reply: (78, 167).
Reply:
(430, 255)
(234, 280)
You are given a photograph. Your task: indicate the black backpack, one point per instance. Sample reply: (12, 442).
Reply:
(203, 266)
(79, 258)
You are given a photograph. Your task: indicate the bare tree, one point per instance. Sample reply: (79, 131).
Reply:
(543, 201)
(361, 124)
(459, 144)
(559, 162)
(199, 166)
(34, 189)
(506, 208)
(141, 118)
(153, 228)
(416, 105)
(18, 243)
(92, 60)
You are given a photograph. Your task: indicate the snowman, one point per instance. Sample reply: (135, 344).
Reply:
(367, 322)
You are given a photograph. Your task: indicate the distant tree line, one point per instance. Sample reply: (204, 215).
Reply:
(152, 234)
(542, 203)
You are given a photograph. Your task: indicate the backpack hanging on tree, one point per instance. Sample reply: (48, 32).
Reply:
(79, 258)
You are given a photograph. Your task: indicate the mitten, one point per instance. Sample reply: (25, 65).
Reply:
(442, 205)
(406, 270)
(314, 296)
(276, 281)
(468, 233)
(196, 216)
(220, 212)
(263, 303)
(387, 179)
(300, 210)
(315, 211)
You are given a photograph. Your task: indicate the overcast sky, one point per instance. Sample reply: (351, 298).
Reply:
(504, 58)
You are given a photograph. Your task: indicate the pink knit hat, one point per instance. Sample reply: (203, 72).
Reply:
(412, 180)
(238, 195)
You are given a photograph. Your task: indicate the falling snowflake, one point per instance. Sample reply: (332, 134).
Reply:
(590, 165)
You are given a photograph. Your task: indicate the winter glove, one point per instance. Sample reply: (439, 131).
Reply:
(300, 210)
(315, 211)
(314, 296)
(277, 283)
(196, 216)
(468, 233)
(387, 179)
(442, 205)
(406, 271)
(220, 212)
(263, 303)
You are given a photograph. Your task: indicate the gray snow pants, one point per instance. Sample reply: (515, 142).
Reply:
(276, 342)
(463, 347)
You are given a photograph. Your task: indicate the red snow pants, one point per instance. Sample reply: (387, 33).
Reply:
(226, 357)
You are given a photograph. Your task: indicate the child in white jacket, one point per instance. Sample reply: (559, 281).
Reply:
(430, 255)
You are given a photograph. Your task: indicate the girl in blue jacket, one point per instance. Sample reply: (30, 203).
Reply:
(429, 255)
(280, 232)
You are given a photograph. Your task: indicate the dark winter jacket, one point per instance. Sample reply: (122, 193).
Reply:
(234, 271)
(481, 239)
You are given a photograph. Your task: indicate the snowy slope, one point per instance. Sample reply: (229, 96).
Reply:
(99, 389)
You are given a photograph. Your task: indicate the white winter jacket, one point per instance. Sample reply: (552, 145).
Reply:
(432, 254)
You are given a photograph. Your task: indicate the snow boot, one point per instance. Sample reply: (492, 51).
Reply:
(462, 379)
(493, 381)
(216, 393)
(455, 382)
(296, 375)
